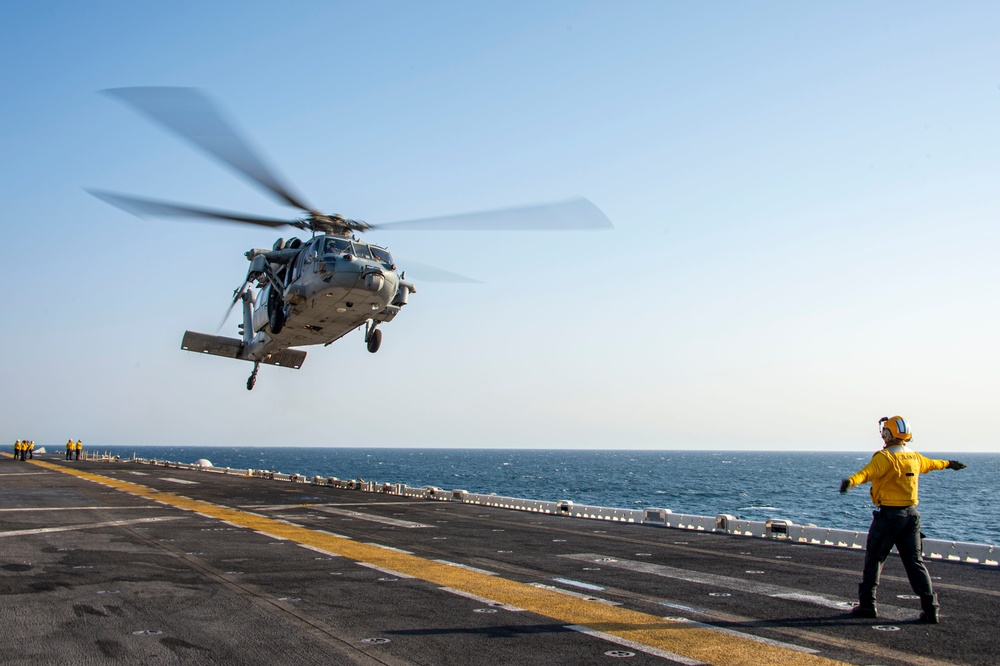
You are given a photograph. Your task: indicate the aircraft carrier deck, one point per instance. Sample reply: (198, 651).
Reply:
(116, 562)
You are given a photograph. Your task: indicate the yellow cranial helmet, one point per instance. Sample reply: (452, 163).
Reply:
(897, 426)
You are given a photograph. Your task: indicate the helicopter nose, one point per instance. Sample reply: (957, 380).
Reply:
(374, 281)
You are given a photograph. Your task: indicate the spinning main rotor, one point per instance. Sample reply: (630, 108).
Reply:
(192, 116)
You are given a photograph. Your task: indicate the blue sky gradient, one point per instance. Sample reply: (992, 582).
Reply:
(804, 197)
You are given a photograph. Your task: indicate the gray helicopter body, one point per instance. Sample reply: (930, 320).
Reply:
(313, 292)
(310, 293)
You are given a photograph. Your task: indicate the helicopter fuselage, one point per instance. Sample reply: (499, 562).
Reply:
(311, 293)
(325, 288)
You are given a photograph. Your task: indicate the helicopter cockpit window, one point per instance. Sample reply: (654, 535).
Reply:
(336, 245)
(381, 255)
(361, 250)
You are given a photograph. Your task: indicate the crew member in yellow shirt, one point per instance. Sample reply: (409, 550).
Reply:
(69, 449)
(31, 449)
(17, 450)
(894, 473)
(78, 447)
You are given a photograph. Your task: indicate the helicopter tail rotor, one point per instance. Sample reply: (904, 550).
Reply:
(237, 297)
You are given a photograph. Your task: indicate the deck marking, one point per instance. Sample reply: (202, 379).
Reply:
(467, 567)
(385, 570)
(319, 550)
(738, 584)
(682, 607)
(482, 600)
(173, 480)
(23, 473)
(617, 640)
(578, 595)
(576, 583)
(88, 526)
(334, 534)
(751, 637)
(269, 535)
(327, 508)
(318, 505)
(691, 643)
(395, 522)
(393, 548)
(80, 508)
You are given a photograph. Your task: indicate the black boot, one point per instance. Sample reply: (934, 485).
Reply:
(929, 604)
(866, 603)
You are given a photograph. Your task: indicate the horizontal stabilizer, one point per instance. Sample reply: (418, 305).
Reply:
(286, 358)
(217, 345)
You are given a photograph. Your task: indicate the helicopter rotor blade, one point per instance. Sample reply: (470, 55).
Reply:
(141, 207)
(236, 299)
(576, 213)
(428, 273)
(192, 116)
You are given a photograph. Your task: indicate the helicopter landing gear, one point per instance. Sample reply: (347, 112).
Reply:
(276, 311)
(253, 376)
(277, 320)
(373, 338)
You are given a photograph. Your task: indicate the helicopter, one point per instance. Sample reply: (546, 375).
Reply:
(316, 290)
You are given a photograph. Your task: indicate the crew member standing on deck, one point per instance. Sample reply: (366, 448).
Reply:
(78, 447)
(894, 472)
(31, 449)
(69, 449)
(17, 449)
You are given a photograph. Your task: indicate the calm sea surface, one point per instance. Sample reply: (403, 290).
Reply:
(755, 485)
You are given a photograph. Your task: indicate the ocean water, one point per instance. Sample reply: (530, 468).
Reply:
(754, 485)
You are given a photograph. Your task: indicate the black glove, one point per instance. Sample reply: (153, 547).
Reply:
(844, 485)
(955, 464)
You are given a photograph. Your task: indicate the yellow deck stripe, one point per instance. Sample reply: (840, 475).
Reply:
(692, 642)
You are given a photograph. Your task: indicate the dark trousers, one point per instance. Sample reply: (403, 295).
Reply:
(899, 527)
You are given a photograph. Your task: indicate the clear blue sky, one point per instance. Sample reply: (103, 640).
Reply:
(805, 200)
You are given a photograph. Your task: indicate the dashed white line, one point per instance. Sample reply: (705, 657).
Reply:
(467, 567)
(390, 572)
(641, 647)
(482, 600)
(576, 583)
(89, 526)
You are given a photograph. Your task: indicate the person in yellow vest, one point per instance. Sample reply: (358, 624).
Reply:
(893, 472)
(31, 449)
(78, 447)
(70, 447)
(17, 449)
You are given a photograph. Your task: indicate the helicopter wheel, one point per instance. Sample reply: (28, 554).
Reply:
(277, 321)
(374, 340)
(253, 377)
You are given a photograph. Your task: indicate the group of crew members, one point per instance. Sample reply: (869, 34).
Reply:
(24, 449)
(72, 448)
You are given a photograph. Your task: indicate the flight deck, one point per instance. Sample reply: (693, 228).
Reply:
(118, 562)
